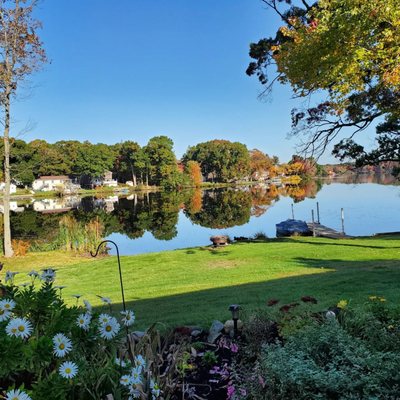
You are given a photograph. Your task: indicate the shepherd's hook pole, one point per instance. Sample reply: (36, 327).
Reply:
(119, 268)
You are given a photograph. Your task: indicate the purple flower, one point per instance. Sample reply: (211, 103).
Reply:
(230, 391)
(234, 348)
(243, 392)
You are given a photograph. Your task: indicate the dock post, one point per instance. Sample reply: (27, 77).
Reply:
(313, 223)
(292, 211)
(318, 221)
(342, 217)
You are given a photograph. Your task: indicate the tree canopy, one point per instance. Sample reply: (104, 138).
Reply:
(349, 50)
(223, 160)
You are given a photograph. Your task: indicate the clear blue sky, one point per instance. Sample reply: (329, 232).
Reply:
(134, 69)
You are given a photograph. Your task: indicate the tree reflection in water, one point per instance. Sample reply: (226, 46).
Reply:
(154, 212)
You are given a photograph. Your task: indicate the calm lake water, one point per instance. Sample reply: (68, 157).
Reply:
(160, 221)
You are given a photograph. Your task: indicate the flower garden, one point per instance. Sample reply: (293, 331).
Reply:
(281, 351)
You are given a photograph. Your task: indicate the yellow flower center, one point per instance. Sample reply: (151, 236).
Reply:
(108, 328)
(128, 317)
(6, 306)
(14, 330)
(61, 346)
(2, 312)
(68, 370)
(21, 328)
(15, 398)
(81, 321)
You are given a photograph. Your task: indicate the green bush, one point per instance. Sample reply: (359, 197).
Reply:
(49, 350)
(354, 356)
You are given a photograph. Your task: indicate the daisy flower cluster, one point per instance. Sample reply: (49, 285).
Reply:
(6, 307)
(135, 380)
(17, 394)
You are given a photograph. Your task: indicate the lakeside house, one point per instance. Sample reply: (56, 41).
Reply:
(106, 180)
(51, 183)
(13, 187)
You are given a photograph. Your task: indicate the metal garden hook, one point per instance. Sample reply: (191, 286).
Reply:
(119, 268)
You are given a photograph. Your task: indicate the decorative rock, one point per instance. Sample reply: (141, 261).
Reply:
(292, 227)
(229, 324)
(219, 240)
(215, 331)
(196, 333)
(137, 335)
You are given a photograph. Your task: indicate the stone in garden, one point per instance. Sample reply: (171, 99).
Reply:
(136, 335)
(292, 227)
(229, 324)
(196, 333)
(215, 331)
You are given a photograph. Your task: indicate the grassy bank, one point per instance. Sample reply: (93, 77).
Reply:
(194, 286)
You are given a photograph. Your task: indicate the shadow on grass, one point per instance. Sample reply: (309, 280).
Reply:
(333, 242)
(338, 279)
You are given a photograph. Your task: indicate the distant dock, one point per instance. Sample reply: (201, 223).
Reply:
(324, 231)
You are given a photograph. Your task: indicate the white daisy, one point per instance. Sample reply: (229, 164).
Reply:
(120, 362)
(87, 305)
(61, 345)
(7, 305)
(83, 321)
(104, 318)
(105, 300)
(125, 380)
(68, 369)
(140, 362)
(17, 394)
(19, 327)
(136, 375)
(155, 389)
(48, 275)
(129, 317)
(10, 276)
(109, 329)
(134, 393)
(5, 315)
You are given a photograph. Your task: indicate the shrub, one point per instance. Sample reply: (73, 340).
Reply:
(354, 356)
(49, 350)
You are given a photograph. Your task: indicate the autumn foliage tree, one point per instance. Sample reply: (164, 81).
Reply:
(193, 169)
(348, 50)
(21, 54)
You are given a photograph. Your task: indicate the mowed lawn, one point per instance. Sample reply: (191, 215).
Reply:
(195, 286)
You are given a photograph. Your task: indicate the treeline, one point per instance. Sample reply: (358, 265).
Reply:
(155, 164)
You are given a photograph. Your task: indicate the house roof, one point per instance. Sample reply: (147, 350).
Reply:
(54, 177)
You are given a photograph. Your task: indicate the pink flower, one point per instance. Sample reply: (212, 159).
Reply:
(234, 348)
(230, 391)
(261, 381)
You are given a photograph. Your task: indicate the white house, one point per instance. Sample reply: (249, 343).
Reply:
(50, 183)
(13, 187)
(106, 180)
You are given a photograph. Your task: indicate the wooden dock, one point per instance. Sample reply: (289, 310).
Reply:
(324, 231)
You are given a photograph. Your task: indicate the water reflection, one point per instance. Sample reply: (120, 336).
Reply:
(160, 213)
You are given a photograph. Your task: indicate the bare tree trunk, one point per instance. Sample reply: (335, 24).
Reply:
(8, 251)
(133, 177)
(147, 178)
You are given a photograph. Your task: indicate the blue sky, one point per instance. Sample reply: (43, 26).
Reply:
(134, 69)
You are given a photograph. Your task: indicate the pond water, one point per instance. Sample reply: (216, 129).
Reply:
(148, 222)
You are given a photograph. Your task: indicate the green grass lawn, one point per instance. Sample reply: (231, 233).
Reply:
(194, 286)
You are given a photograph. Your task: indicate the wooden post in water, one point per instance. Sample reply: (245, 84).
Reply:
(313, 223)
(292, 211)
(318, 213)
(342, 217)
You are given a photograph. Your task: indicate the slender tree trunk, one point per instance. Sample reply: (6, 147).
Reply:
(8, 251)
(147, 178)
(133, 177)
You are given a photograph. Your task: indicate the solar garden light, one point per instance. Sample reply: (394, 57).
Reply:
(234, 309)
